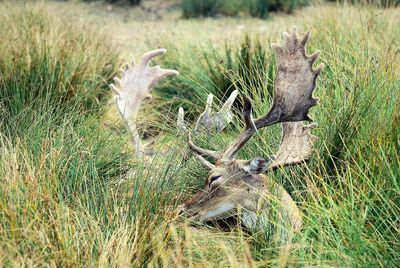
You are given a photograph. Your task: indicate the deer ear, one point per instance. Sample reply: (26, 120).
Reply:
(257, 165)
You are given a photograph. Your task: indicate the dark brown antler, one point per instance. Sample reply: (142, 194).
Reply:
(294, 83)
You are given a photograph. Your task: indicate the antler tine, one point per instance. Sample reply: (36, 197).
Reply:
(204, 162)
(294, 83)
(248, 132)
(147, 57)
(229, 102)
(182, 128)
(214, 155)
(198, 150)
(202, 121)
(180, 122)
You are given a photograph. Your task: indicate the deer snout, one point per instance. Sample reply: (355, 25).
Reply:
(184, 211)
(180, 210)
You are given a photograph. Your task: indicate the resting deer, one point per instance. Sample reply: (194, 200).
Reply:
(135, 86)
(236, 186)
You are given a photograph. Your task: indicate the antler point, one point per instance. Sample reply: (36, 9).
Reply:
(305, 38)
(277, 48)
(114, 89)
(319, 69)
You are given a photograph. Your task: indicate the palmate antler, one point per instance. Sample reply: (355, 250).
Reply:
(135, 86)
(294, 83)
(208, 120)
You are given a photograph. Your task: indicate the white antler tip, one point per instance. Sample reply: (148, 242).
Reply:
(319, 68)
(147, 57)
(114, 89)
(181, 119)
(285, 35)
(229, 102)
(275, 46)
(209, 100)
(305, 38)
(234, 93)
(313, 57)
(173, 72)
(118, 81)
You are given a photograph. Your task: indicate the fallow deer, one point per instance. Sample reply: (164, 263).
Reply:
(240, 187)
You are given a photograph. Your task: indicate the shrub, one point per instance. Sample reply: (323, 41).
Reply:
(255, 8)
(192, 8)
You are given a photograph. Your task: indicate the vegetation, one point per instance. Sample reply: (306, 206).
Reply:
(71, 195)
(256, 8)
(131, 2)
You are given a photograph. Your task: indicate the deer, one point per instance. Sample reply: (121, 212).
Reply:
(241, 188)
(135, 86)
(236, 187)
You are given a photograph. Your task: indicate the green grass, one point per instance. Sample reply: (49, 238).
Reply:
(71, 195)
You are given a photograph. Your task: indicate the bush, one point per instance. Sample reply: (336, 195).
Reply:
(255, 8)
(198, 8)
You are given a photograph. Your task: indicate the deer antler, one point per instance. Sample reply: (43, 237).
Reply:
(296, 144)
(294, 83)
(216, 121)
(208, 120)
(136, 84)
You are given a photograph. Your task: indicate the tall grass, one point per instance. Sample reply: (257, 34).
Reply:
(70, 194)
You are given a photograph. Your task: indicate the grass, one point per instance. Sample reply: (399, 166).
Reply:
(71, 195)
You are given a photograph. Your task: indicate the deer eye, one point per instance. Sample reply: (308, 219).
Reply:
(214, 178)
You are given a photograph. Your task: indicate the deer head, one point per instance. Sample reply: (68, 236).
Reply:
(135, 86)
(233, 185)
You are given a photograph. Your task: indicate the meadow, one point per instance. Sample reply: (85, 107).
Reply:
(72, 194)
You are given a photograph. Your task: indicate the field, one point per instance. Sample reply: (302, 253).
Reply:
(72, 194)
